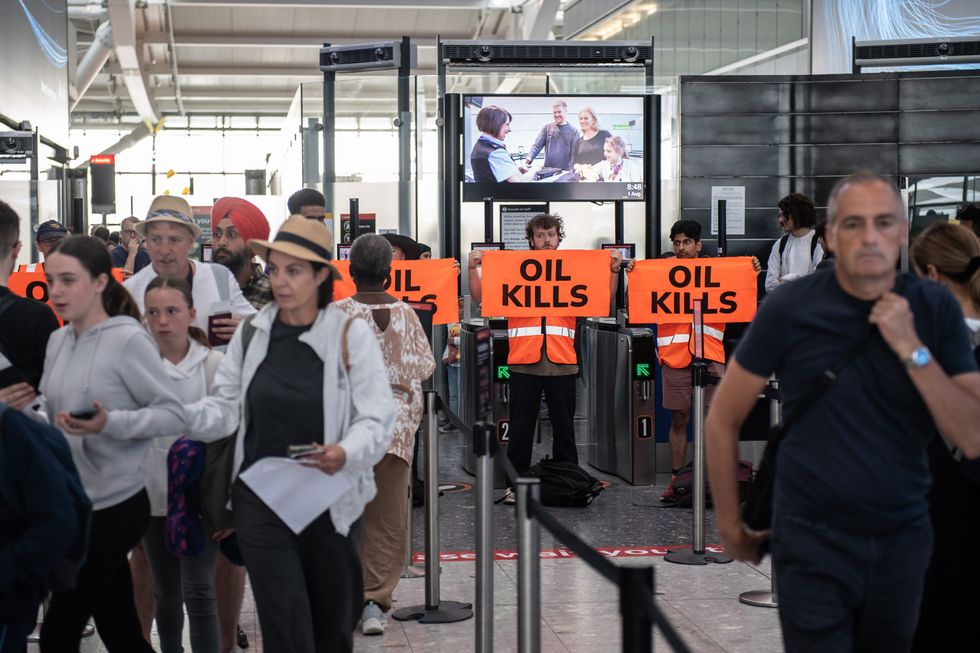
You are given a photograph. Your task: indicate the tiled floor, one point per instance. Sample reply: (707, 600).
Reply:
(579, 608)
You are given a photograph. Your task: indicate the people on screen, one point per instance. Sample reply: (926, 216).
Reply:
(489, 158)
(617, 166)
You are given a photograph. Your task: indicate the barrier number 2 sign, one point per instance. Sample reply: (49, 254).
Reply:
(503, 430)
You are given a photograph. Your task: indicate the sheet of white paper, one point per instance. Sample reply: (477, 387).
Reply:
(296, 493)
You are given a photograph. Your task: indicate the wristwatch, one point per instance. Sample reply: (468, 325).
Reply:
(918, 358)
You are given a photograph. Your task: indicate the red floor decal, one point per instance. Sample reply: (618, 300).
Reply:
(554, 554)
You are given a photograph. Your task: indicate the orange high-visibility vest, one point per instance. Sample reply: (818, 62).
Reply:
(675, 344)
(526, 335)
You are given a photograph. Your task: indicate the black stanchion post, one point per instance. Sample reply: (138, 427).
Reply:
(635, 587)
(435, 610)
(484, 442)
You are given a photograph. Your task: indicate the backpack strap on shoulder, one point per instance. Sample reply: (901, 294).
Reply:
(248, 332)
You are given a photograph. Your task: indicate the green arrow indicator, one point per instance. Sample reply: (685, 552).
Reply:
(503, 372)
(643, 369)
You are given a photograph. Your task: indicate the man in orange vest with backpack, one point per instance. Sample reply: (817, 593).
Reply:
(541, 358)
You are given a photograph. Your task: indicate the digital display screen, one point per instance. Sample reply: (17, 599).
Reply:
(553, 147)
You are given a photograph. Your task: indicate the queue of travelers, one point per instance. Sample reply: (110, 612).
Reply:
(250, 362)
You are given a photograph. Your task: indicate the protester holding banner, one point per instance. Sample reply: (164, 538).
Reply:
(542, 355)
(409, 361)
(302, 374)
(675, 353)
(798, 252)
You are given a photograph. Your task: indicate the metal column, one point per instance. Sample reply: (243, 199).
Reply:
(528, 568)
(484, 442)
(404, 123)
(329, 121)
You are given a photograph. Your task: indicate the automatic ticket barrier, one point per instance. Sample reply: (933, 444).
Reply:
(473, 344)
(620, 366)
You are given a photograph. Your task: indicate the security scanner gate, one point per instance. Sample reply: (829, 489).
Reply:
(620, 389)
(473, 336)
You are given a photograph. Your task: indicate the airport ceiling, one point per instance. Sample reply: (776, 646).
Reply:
(249, 56)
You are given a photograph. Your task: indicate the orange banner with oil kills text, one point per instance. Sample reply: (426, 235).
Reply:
(29, 281)
(546, 283)
(433, 281)
(663, 291)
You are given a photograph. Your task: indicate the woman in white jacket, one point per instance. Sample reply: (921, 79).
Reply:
(191, 365)
(302, 372)
(103, 363)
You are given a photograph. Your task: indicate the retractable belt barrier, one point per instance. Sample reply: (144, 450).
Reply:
(435, 610)
(697, 554)
(639, 612)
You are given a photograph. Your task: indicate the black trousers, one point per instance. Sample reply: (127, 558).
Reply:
(525, 404)
(308, 588)
(104, 589)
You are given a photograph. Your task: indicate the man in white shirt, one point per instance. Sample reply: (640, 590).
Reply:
(797, 253)
(171, 235)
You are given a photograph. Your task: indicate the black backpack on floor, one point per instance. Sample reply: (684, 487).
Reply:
(565, 485)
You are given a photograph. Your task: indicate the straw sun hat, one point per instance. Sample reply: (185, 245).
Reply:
(169, 208)
(301, 237)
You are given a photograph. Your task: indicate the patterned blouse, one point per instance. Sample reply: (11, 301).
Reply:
(409, 360)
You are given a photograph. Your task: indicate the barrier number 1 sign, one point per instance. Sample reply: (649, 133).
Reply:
(644, 427)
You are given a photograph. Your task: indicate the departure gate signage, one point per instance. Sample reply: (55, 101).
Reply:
(552, 283)
(433, 281)
(663, 291)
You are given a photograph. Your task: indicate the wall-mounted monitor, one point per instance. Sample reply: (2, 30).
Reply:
(553, 147)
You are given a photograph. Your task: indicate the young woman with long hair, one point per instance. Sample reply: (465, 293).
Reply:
(950, 254)
(191, 364)
(105, 386)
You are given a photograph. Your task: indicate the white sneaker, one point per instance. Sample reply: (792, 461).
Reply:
(373, 620)
(509, 498)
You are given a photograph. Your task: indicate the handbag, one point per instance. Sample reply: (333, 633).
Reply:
(757, 509)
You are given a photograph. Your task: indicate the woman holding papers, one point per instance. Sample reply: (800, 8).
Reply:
(408, 358)
(190, 363)
(302, 377)
(105, 386)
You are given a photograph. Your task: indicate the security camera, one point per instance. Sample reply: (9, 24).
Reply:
(943, 49)
(334, 57)
(630, 54)
(16, 145)
(379, 54)
(485, 53)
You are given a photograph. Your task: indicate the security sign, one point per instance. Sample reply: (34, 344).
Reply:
(663, 291)
(546, 283)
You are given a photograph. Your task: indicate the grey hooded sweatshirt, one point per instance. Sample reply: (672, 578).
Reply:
(116, 363)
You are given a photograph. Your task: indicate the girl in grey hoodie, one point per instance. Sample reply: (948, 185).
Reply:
(191, 364)
(105, 364)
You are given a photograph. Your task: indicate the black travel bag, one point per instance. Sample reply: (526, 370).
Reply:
(565, 485)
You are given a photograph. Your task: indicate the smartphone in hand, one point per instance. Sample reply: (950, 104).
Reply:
(87, 413)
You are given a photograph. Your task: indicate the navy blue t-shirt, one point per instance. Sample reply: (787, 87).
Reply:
(119, 254)
(857, 459)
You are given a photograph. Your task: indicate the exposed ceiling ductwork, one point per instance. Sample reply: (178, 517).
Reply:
(123, 20)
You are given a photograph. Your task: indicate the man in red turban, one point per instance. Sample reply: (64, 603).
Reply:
(234, 222)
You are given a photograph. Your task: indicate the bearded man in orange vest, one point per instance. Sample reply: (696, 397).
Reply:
(675, 352)
(542, 358)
